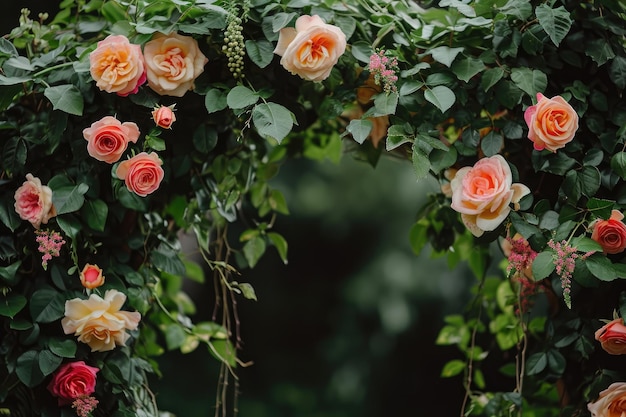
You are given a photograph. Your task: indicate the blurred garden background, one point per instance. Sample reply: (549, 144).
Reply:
(348, 327)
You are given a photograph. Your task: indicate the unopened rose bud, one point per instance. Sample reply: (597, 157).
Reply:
(91, 277)
(164, 116)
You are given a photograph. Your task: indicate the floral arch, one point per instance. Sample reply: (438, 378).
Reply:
(127, 123)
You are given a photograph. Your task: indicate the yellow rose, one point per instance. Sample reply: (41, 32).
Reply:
(117, 66)
(173, 62)
(98, 321)
(312, 49)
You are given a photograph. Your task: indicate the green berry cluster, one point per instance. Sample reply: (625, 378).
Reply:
(234, 47)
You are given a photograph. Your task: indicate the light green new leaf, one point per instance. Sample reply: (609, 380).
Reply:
(253, 250)
(452, 368)
(529, 81)
(241, 97)
(260, 52)
(359, 129)
(556, 22)
(66, 98)
(272, 121)
(441, 97)
(280, 243)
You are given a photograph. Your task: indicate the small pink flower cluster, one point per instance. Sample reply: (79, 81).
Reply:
(50, 244)
(565, 262)
(84, 406)
(521, 255)
(384, 69)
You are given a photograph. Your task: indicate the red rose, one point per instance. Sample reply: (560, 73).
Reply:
(73, 380)
(611, 233)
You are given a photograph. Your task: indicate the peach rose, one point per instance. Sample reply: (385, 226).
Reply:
(73, 380)
(91, 276)
(312, 49)
(117, 66)
(108, 138)
(142, 173)
(98, 321)
(164, 116)
(552, 123)
(173, 63)
(33, 202)
(611, 402)
(611, 233)
(483, 194)
(612, 337)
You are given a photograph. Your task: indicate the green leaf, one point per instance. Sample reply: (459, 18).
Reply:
(69, 199)
(618, 164)
(215, 100)
(204, 138)
(465, 69)
(492, 143)
(359, 129)
(9, 273)
(224, 351)
(421, 163)
(556, 22)
(536, 363)
(280, 243)
(453, 368)
(241, 97)
(11, 304)
(585, 244)
(70, 226)
(601, 267)
(95, 212)
(167, 260)
(491, 77)
(385, 103)
(600, 208)
(247, 290)
(599, 50)
(28, 370)
(253, 250)
(529, 81)
(260, 52)
(174, 336)
(65, 348)
(47, 305)
(617, 72)
(445, 55)
(48, 362)
(543, 265)
(441, 97)
(272, 121)
(66, 98)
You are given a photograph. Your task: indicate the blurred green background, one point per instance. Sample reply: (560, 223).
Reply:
(348, 327)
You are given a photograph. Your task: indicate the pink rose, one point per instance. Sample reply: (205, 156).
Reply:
(173, 63)
(73, 380)
(312, 49)
(611, 402)
(164, 116)
(117, 66)
(142, 173)
(611, 233)
(108, 138)
(483, 194)
(552, 123)
(612, 337)
(91, 277)
(33, 202)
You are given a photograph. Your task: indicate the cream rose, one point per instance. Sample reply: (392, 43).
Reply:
(173, 63)
(483, 194)
(108, 138)
(142, 173)
(33, 202)
(311, 49)
(611, 402)
(552, 123)
(117, 66)
(98, 321)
